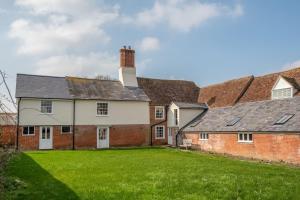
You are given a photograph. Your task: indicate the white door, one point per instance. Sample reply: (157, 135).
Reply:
(102, 137)
(170, 137)
(46, 137)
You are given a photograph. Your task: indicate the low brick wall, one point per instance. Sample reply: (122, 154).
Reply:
(8, 135)
(266, 146)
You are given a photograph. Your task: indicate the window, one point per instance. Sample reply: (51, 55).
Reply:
(28, 130)
(233, 121)
(176, 116)
(159, 132)
(282, 93)
(66, 129)
(102, 109)
(284, 119)
(203, 136)
(245, 137)
(46, 106)
(159, 112)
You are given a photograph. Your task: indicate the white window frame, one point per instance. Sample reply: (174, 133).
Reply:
(243, 138)
(61, 127)
(28, 131)
(163, 128)
(46, 113)
(102, 115)
(203, 136)
(283, 97)
(163, 112)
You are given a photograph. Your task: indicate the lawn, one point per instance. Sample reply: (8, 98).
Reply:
(147, 174)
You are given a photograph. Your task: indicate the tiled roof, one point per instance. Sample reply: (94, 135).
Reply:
(34, 86)
(255, 116)
(260, 88)
(185, 105)
(165, 91)
(224, 94)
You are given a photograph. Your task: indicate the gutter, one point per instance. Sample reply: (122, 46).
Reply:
(151, 127)
(18, 122)
(187, 124)
(73, 126)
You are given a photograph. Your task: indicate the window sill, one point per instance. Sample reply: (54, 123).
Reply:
(69, 133)
(102, 115)
(28, 135)
(203, 139)
(246, 142)
(161, 138)
(46, 113)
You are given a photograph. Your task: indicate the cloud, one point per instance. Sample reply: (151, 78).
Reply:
(292, 65)
(184, 15)
(91, 64)
(60, 25)
(149, 44)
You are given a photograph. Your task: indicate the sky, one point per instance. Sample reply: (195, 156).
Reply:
(199, 40)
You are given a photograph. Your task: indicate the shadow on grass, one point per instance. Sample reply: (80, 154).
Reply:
(34, 181)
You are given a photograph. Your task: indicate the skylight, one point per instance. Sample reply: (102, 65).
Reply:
(284, 119)
(233, 121)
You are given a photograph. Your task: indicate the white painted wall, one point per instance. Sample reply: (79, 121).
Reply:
(127, 76)
(119, 112)
(30, 113)
(184, 116)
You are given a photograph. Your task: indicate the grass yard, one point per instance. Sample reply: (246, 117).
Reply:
(147, 174)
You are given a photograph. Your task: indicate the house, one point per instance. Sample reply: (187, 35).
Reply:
(76, 113)
(263, 124)
(255, 117)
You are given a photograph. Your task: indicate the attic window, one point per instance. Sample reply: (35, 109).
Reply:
(284, 119)
(233, 121)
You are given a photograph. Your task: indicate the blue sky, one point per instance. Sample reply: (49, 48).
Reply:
(203, 41)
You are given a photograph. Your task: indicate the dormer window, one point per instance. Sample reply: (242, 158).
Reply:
(283, 88)
(282, 93)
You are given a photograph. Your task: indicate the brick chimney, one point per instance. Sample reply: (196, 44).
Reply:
(127, 71)
(127, 57)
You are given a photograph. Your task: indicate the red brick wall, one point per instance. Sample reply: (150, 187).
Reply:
(86, 137)
(266, 146)
(29, 142)
(7, 135)
(155, 121)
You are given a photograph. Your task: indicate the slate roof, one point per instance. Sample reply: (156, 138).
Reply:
(42, 87)
(255, 116)
(224, 94)
(82, 88)
(185, 105)
(163, 92)
(260, 88)
(34, 86)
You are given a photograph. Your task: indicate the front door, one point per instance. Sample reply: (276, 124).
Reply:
(46, 137)
(102, 137)
(170, 137)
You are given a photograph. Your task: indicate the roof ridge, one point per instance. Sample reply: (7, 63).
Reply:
(40, 75)
(279, 72)
(166, 79)
(90, 78)
(221, 83)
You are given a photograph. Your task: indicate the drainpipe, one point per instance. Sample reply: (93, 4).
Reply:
(18, 122)
(166, 118)
(186, 125)
(73, 146)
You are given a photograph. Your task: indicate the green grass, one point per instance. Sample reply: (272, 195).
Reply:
(147, 174)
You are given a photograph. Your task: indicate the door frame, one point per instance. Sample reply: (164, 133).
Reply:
(51, 136)
(107, 138)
